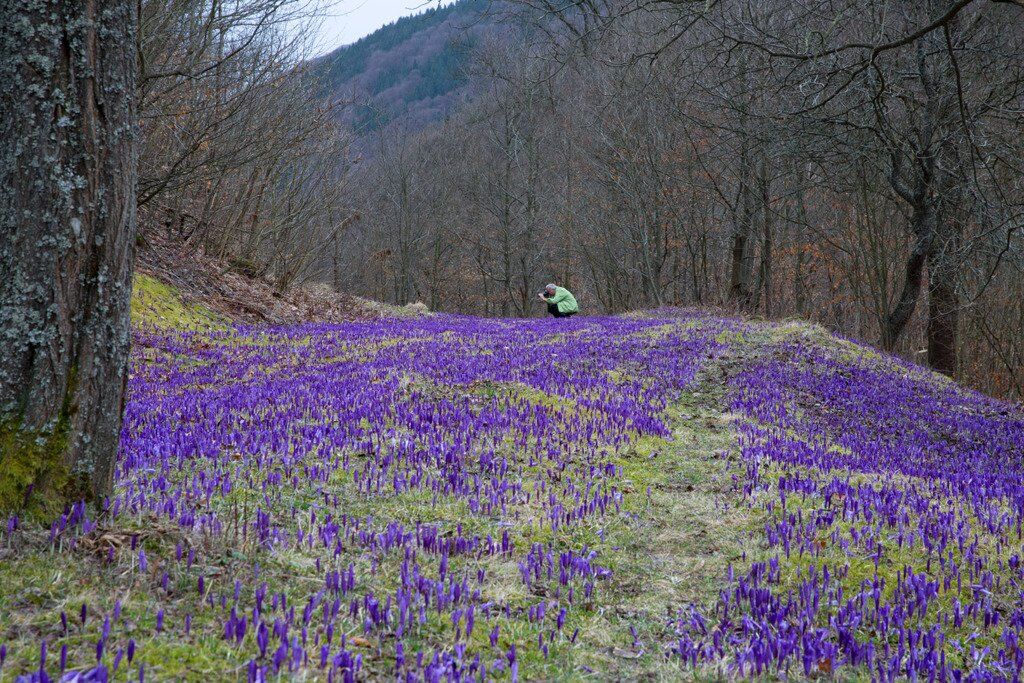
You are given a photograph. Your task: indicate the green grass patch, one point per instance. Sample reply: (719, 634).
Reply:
(156, 305)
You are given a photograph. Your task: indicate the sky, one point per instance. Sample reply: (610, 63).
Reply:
(349, 20)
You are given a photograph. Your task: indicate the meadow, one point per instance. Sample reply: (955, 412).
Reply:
(663, 496)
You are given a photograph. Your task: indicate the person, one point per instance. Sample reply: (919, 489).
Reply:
(561, 303)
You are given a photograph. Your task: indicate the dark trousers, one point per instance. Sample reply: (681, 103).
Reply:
(553, 310)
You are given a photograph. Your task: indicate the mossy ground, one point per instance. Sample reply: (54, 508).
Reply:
(32, 471)
(33, 463)
(156, 305)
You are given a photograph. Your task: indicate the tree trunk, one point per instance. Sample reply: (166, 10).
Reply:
(739, 270)
(925, 221)
(943, 308)
(764, 281)
(740, 292)
(67, 206)
(800, 285)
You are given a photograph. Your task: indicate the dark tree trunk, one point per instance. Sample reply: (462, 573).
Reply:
(943, 308)
(741, 292)
(67, 209)
(800, 285)
(924, 226)
(764, 280)
(739, 268)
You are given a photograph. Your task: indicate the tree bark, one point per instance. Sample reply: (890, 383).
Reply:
(739, 267)
(67, 208)
(924, 227)
(943, 307)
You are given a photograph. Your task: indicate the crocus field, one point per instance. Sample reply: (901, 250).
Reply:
(668, 496)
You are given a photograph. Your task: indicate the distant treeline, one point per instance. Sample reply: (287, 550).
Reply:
(413, 68)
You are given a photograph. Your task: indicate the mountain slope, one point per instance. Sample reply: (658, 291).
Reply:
(414, 67)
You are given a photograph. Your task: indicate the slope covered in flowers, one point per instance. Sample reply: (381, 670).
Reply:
(451, 498)
(893, 508)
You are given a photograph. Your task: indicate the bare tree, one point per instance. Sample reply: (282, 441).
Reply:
(241, 157)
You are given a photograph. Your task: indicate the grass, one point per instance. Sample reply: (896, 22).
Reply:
(670, 545)
(156, 305)
(682, 524)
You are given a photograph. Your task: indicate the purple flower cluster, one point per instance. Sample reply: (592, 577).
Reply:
(892, 503)
(427, 500)
(344, 492)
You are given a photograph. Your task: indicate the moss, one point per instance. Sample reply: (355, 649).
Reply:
(31, 467)
(491, 389)
(158, 305)
(34, 476)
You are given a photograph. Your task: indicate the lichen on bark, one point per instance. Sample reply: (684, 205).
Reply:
(68, 171)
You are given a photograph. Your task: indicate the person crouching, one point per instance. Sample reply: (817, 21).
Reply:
(561, 303)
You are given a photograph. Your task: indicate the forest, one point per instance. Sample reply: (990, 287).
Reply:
(854, 165)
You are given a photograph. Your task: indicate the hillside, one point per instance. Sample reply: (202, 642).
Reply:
(414, 67)
(667, 495)
(178, 288)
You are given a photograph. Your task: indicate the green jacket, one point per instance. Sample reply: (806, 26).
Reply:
(565, 301)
